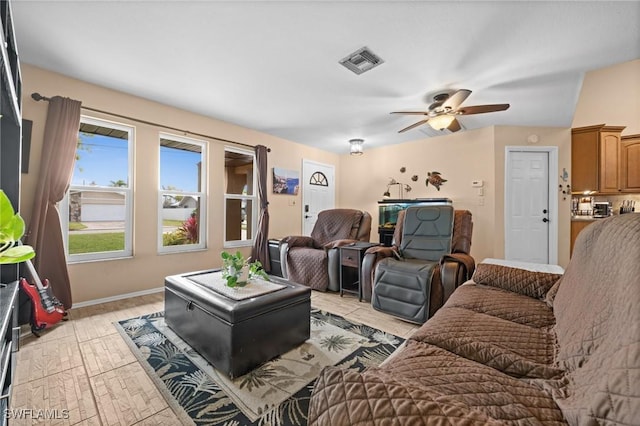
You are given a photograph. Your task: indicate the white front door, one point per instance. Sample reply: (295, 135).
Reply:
(530, 213)
(318, 192)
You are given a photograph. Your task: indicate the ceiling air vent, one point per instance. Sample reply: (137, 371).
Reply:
(361, 60)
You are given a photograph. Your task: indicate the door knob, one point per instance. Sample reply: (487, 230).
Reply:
(544, 211)
(545, 220)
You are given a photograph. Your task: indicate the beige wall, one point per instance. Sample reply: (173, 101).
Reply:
(146, 270)
(460, 158)
(611, 96)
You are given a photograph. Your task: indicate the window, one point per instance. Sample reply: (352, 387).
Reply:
(240, 199)
(319, 179)
(182, 200)
(99, 200)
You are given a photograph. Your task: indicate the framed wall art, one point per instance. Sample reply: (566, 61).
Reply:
(285, 181)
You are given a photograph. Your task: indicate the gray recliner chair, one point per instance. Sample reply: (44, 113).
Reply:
(402, 283)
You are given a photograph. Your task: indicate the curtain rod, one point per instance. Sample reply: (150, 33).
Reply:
(38, 97)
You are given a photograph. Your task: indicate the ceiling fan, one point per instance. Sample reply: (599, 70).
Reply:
(442, 113)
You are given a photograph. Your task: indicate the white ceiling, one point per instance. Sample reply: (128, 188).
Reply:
(273, 66)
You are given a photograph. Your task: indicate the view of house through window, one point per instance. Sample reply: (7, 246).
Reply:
(240, 196)
(99, 198)
(182, 194)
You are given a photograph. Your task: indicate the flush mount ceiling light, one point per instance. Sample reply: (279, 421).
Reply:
(356, 146)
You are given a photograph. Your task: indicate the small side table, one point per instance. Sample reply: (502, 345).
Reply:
(351, 267)
(274, 256)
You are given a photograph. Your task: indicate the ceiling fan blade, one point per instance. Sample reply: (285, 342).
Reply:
(481, 109)
(409, 112)
(413, 125)
(456, 99)
(454, 126)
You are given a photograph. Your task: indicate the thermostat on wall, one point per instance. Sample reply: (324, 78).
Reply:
(477, 183)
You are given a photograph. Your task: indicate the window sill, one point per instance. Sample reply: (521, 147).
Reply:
(194, 250)
(104, 259)
(235, 244)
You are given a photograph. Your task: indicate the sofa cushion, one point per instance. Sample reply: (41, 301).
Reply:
(426, 384)
(502, 304)
(518, 280)
(515, 349)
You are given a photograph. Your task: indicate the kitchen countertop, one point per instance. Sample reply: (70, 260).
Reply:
(583, 218)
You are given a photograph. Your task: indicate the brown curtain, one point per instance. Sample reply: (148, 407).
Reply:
(58, 157)
(260, 250)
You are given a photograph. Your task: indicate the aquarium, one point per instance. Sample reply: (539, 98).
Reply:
(388, 209)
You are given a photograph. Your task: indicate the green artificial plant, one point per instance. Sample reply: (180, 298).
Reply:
(11, 229)
(233, 266)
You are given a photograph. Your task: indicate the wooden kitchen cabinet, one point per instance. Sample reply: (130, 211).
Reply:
(576, 227)
(609, 161)
(596, 159)
(630, 163)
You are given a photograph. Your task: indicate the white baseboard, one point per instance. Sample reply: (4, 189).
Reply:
(118, 297)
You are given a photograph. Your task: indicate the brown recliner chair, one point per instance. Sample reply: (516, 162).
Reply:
(315, 261)
(453, 269)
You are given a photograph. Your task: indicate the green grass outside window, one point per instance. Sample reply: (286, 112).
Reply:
(95, 243)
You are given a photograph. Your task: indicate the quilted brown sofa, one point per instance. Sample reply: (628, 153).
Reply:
(515, 345)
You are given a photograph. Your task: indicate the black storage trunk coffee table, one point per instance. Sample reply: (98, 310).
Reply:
(236, 336)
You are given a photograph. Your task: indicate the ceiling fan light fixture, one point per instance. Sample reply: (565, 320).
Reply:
(356, 146)
(441, 122)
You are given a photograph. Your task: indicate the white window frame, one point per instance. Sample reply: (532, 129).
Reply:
(128, 200)
(253, 198)
(201, 195)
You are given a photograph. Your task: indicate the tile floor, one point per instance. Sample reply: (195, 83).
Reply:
(82, 369)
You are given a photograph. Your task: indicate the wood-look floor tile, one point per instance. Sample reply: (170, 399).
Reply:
(165, 417)
(93, 421)
(59, 331)
(65, 392)
(126, 395)
(95, 321)
(380, 321)
(410, 331)
(333, 303)
(93, 327)
(106, 353)
(38, 359)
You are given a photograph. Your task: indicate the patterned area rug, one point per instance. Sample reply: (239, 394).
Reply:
(276, 393)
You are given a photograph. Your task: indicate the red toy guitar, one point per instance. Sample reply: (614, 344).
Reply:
(47, 310)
